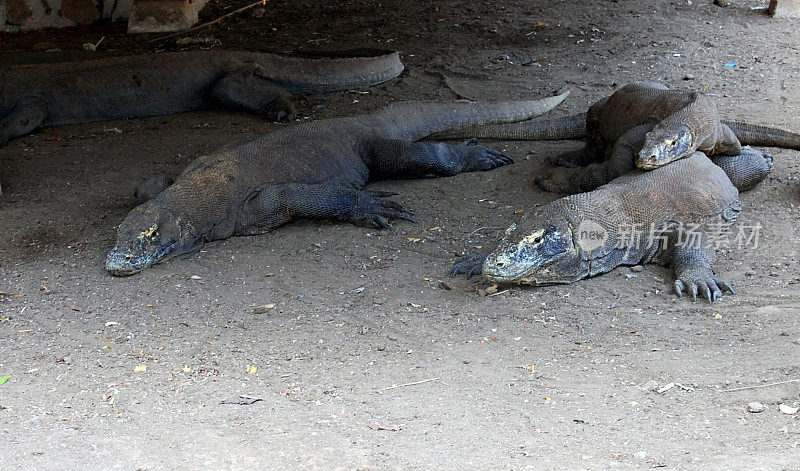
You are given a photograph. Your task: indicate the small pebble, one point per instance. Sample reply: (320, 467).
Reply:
(651, 385)
(263, 309)
(637, 268)
(755, 407)
(688, 77)
(195, 277)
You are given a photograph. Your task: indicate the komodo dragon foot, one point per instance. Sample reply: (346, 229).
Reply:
(701, 279)
(368, 209)
(478, 158)
(471, 264)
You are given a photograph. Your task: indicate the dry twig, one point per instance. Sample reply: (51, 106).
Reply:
(396, 386)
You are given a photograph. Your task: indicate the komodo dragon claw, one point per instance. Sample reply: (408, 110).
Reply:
(470, 264)
(373, 211)
(710, 287)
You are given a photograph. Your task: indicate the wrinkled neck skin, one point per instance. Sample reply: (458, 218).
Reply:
(149, 235)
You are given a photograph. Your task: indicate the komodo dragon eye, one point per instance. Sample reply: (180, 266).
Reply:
(536, 238)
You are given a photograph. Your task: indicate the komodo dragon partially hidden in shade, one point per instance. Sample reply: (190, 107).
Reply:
(642, 125)
(674, 215)
(316, 169)
(111, 88)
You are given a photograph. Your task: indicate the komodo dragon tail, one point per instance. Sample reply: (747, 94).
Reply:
(755, 135)
(415, 120)
(567, 127)
(300, 75)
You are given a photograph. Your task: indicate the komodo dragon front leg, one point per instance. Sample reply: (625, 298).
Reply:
(385, 158)
(278, 204)
(245, 86)
(571, 180)
(692, 264)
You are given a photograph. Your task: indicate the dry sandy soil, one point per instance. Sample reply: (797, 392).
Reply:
(334, 315)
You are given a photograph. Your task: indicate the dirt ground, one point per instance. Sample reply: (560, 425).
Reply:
(320, 320)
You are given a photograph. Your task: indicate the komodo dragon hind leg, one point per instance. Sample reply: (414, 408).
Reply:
(243, 87)
(279, 204)
(746, 170)
(27, 115)
(388, 158)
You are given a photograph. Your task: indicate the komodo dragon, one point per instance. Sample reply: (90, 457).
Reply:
(672, 215)
(111, 88)
(643, 125)
(314, 170)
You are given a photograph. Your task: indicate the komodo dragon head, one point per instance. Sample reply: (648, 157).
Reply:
(546, 253)
(664, 144)
(148, 235)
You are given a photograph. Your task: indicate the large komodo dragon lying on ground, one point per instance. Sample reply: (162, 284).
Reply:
(642, 125)
(113, 88)
(674, 215)
(314, 170)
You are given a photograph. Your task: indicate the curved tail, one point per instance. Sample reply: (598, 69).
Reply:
(418, 119)
(301, 75)
(566, 127)
(755, 135)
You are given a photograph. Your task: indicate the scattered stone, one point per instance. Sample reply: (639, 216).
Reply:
(637, 268)
(263, 309)
(195, 277)
(755, 407)
(788, 409)
(721, 3)
(651, 385)
(688, 77)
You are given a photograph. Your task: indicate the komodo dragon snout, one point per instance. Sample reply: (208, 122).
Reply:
(148, 235)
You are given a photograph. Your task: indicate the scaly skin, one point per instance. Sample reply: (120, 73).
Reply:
(113, 88)
(314, 170)
(638, 218)
(641, 125)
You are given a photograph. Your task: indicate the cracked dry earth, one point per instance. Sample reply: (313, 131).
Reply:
(320, 320)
